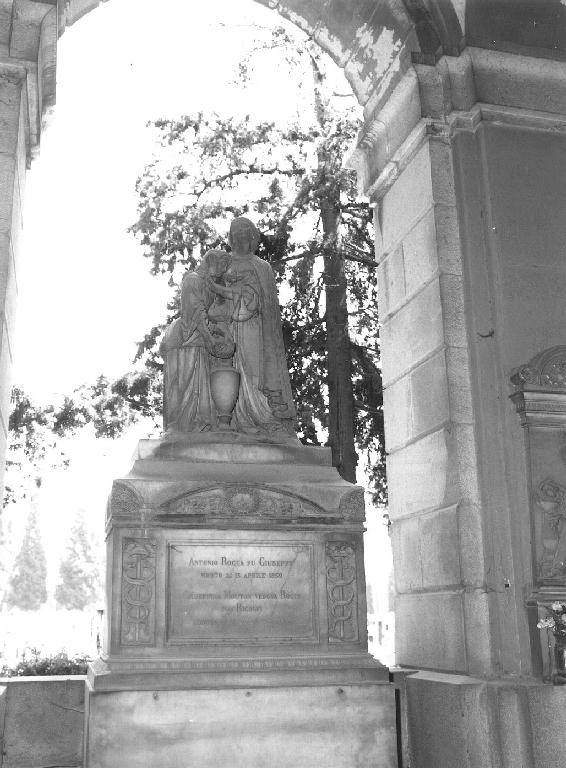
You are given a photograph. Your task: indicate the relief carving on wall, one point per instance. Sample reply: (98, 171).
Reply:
(124, 500)
(551, 500)
(138, 591)
(352, 505)
(243, 501)
(540, 399)
(341, 588)
(547, 369)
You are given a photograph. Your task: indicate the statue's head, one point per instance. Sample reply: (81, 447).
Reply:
(244, 236)
(214, 263)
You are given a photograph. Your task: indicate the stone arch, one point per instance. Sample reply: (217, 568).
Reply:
(371, 40)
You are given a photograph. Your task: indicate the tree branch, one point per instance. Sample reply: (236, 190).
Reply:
(360, 259)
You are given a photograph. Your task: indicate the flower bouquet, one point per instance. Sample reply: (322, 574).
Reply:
(555, 623)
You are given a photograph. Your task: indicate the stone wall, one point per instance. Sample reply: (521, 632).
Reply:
(464, 722)
(41, 722)
(429, 431)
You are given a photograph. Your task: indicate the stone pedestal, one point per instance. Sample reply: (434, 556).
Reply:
(236, 622)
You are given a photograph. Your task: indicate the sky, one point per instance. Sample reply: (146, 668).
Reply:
(82, 274)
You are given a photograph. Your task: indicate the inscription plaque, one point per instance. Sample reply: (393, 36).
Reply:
(257, 592)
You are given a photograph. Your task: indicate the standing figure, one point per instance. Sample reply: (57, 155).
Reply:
(186, 346)
(265, 402)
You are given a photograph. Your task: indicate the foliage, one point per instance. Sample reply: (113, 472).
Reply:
(78, 573)
(211, 168)
(109, 406)
(57, 664)
(27, 588)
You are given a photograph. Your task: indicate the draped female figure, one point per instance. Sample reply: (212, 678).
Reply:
(186, 348)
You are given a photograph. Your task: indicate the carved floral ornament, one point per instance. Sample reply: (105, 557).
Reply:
(258, 501)
(540, 394)
(239, 500)
(546, 370)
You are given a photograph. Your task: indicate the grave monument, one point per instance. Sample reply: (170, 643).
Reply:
(236, 616)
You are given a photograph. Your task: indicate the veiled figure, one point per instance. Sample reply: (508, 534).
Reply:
(265, 402)
(187, 346)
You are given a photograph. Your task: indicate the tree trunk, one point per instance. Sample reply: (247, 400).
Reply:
(340, 392)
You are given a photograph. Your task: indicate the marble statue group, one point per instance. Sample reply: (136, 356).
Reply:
(225, 365)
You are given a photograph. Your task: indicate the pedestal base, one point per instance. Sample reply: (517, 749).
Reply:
(285, 727)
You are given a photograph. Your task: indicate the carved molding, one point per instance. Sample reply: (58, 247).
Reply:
(546, 370)
(235, 665)
(250, 501)
(138, 591)
(341, 588)
(540, 396)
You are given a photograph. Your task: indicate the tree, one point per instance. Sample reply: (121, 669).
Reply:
(27, 588)
(316, 234)
(79, 579)
(109, 406)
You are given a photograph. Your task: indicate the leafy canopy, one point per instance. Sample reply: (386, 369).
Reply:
(209, 168)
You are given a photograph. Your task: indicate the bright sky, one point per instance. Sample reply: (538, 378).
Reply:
(86, 295)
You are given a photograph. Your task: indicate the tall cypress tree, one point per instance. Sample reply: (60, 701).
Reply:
(27, 589)
(78, 572)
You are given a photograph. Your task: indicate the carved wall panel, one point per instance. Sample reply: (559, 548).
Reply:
(138, 591)
(540, 399)
(342, 591)
(550, 510)
(256, 501)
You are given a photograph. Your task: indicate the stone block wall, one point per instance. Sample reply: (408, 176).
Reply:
(432, 467)
(498, 724)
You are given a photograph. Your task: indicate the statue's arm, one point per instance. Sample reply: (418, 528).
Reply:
(221, 290)
(194, 311)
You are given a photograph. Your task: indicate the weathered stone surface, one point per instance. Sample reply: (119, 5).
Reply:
(498, 723)
(438, 737)
(427, 551)
(42, 721)
(452, 296)
(423, 475)
(440, 548)
(413, 333)
(417, 403)
(421, 644)
(448, 238)
(285, 727)
(391, 281)
(419, 253)
(519, 81)
(408, 200)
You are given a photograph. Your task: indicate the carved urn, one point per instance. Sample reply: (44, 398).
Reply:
(224, 387)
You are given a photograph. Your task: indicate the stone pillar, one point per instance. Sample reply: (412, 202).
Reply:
(28, 40)
(469, 210)
(13, 153)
